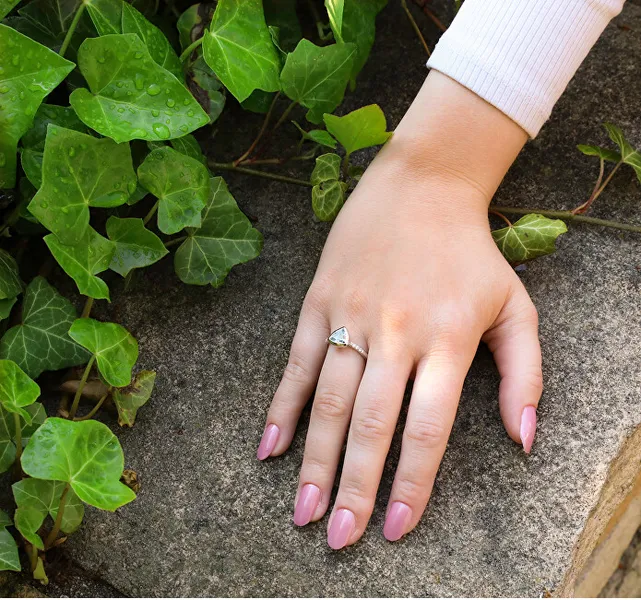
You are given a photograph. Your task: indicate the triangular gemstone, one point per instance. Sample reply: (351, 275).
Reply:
(340, 337)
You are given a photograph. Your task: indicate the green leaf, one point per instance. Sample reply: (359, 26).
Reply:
(7, 455)
(10, 284)
(6, 6)
(8, 431)
(115, 349)
(188, 21)
(9, 559)
(207, 88)
(239, 49)
(131, 96)
(530, 237)
(17, 389)
(79, 171)
(318, 136)
(5, 307)
(5, 519)
(328, 168)
(317, 77)
(282, 14)
(84, 260)
(226, 238)
(328, 198)
(38, 417)
(359, 129)
(29, 71)
(189, 146)
(359, 28)
(31, 161)
(604, 153)
(40, 343)
(63, 116)
(335, 10)
(629, 155)
(116, 16)
(128, 400)
(258, 101)
(136, 246)
(28, 520)
(181, 185)
(44, 497)
(84, 454)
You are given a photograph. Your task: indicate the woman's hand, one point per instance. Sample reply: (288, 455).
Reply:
(411, 269)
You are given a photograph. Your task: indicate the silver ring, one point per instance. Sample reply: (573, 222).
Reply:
(340, 338)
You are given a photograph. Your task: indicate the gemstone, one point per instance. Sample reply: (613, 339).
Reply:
(339, 337)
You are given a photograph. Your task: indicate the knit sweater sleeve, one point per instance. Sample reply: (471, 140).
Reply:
(519, 55)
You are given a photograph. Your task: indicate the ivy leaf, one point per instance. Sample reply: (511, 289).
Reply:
(239, 49)
(115, 349)
(189, 146)
(38, 417)
(225, 238)
(63, 116)
(7, 455)
(136, 246)
(335, 10)
(83, 261)
(328, 198)
(8, 432)
(359, 129)
(5, 519)
(128, 400)
(318, 136)
(44, 497)
(181, 185)
(316, 77)
(131, 96)
(9, 559)
(530, 237)
(116, 16)
(29, 72)
(31, 161)
(10, 284)
(5, 307)
(6, 6)
(629, 155)
(40, 343)
(282, 14)
(187, 22)
(328, 167)
(258, 101)
(207, 88)
(604, 153)
(359, 27)
(17, 389)
(79, 171)
(84, 454)
(28, 520)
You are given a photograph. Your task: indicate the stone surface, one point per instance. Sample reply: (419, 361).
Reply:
(211, 520)
(626, 580)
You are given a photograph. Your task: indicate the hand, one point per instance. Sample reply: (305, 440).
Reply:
(411, 269)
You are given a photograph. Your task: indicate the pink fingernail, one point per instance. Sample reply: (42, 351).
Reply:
(397, 521)
(268, 441)
(341, 528)
(307, 502)
(528, 427)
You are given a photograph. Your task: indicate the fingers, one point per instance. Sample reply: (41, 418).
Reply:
(297, 384)
(376, 409)
(331, 413)
(435, 396)
(514, 341)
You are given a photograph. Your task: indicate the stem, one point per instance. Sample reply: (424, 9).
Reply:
(151, 213)
(268, 116)
(175, 241)
(95, 409)
(345, 166)
(430, 15)
(33, 557)
(18, 426)
(415, 27)
(72, 29)
(256, 173)
(284, 115)
(86, 311)
(457, 6)
(76, 398)
(567, 215)
(53, 534)
(189, 49)
(500, 215)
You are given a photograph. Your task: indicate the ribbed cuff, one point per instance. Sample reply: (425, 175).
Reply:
(519, 55)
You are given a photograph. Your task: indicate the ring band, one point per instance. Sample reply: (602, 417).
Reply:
(340, 338)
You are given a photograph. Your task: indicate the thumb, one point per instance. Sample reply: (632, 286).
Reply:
(514, 342)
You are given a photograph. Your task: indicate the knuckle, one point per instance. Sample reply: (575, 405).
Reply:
(355, 494)
(371, 426)
(296, 371)
(412, 488)
(533, 379)
(316, 298)
(395, 321)
(330, 405)
(426, 433)
(355, 304)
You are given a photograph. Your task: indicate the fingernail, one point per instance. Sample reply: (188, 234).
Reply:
(341, 528)
(528, 427)
(397, 521)
(306, 505)
(268, 441)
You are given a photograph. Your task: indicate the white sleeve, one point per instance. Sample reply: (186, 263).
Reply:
(519, 55)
